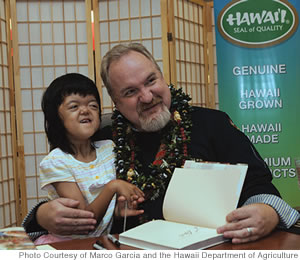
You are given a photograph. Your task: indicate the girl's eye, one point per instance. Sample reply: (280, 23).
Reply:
(73, 107)
(94, 106)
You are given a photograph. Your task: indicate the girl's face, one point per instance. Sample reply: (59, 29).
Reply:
(80, 116)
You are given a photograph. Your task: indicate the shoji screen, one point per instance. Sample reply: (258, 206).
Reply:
(122, 21)
(190, 48)
(8, 210)
(52, 40)
(213, 46)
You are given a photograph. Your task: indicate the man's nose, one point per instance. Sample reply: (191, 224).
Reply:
(146, 95)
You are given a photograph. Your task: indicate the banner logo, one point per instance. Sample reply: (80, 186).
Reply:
(257, 23)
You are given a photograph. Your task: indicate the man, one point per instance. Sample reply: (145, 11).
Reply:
(156, 130)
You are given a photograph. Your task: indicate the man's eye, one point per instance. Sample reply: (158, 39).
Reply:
(150, 81)
(129, 93)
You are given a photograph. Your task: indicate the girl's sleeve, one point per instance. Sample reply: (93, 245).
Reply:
(55, 169)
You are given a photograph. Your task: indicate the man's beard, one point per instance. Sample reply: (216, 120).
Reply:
(150, 124)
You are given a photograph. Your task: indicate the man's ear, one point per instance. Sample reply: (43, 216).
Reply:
(115, 103)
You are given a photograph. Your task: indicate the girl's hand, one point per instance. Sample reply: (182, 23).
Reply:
(131, 192)
(120, 207)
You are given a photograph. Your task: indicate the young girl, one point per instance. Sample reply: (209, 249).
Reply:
(78, 166)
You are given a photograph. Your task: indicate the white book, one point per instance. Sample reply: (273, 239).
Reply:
(197, 201)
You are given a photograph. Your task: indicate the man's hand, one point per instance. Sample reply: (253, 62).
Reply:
(61, 216)
(249, 223)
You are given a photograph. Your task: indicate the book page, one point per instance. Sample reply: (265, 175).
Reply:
(203, 196)
(161, 234)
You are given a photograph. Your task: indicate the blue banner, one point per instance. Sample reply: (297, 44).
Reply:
(258, 57)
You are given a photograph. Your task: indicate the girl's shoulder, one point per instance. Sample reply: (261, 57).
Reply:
(104, 144)
(57, 152)
(55, 158)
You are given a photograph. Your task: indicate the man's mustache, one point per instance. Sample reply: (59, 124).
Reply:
(143, 106)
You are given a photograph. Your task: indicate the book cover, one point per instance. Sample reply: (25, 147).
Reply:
(197, 201)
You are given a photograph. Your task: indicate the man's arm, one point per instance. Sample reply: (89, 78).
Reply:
(59, 216)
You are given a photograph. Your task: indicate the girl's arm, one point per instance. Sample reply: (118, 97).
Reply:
(101, 203)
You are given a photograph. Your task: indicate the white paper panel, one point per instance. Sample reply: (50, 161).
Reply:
(71, 54)
(58, 30)
(70, 32)
(29, 143)
(31, 187)
(156, 25)
(113, 9)
(69, 11)
(2, 118)
(81, 32)
(59, 55)
(6, 193)
(124, 30)
(2, 13)
(80, 10)
(34, 14)
(39, 121)
(104, 32)
(27, 121)
(157, 49)
(23, 33)
(82, 54)
(135, 29)
(124, 12)
(145, 8)
(24, 55)
(37, 77)
(48, 76)
(47, 36)
(45, 9)
(47, 54)
(3, 165)
(40, 143)
(57, 11)
(22, 11)
(36, 55)
(35, 34)
(134, 8)
(103, 10)
(156, 7)
(26, 100)
(114, 31)
(10, 168)
(37, 97)
(146, 28)
(30, 165)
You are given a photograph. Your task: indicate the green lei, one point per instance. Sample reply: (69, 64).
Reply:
(172, 151)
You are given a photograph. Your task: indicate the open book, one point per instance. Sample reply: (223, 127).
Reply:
(197, 200)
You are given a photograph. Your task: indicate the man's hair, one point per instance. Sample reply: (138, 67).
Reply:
(61, 87)
(118, 52)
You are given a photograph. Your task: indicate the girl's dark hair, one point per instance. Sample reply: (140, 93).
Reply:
(61, 87)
